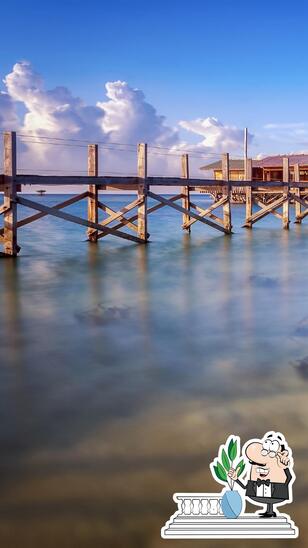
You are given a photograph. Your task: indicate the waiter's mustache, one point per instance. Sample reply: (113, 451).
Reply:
(257, 463)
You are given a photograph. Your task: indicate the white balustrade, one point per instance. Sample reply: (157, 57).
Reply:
(199, 504)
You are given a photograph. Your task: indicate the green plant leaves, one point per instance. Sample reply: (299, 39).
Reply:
(240, 468)
(220, 471)
(227, 455)
(232, 449)
(225, 460)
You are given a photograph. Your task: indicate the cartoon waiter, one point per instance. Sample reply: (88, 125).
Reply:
(271, 475)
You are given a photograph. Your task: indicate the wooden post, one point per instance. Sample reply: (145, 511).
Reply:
(93, 191)
(142, 191)
(248, 177)
(185, 190)
(10, 214)
(226, 193)
(285, 207)
(297, 192)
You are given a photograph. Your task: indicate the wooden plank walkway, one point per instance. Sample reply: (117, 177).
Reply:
(279, 195)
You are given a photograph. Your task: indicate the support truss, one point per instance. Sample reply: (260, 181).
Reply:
(263, 210)
(301, 200)
(74, 219)
(187, 212)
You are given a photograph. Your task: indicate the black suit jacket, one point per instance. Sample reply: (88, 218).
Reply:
(279, 490)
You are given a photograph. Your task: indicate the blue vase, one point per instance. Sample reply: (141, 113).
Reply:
(231, 504)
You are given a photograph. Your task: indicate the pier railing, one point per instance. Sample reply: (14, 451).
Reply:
(267, 198)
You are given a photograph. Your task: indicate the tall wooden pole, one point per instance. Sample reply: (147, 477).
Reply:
(248, 177)
(143, 191)
(297, 192)
(245, 149)
(185, 189)
(10, 215)
(93, 191)
(286, 204)
(226, 193)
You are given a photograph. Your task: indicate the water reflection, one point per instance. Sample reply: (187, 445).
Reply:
(123, 368)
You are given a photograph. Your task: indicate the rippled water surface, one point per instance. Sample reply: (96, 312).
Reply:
(124, 367)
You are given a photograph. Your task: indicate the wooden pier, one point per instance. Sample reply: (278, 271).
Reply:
(279, 195)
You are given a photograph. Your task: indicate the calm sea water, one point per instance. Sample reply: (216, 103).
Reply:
(124, 367)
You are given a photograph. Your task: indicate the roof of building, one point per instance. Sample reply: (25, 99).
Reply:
(267, 162)
(233, 164)
(276, 161)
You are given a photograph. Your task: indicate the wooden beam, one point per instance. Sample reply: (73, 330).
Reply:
(304, 213)
(286, 203)
(93, 191)
(125, 221)
(38, 216)
(226, 193)
(185, 191)
(210, 215)
(135, 217)
(264, 212)
(297, 192)
(302, 202)
(17, 186)
(74, 219)
(10, 214)
(204, 212)
(263, 206)
(182, 210)
(142, 191)
(119, 214)
(67, 180)
(55, 180)
(249, 197)
(118, 186)
(4, 208)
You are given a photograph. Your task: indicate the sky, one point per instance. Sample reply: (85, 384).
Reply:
(178, 75)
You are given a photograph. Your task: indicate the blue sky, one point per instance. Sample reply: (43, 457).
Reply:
(242, 62)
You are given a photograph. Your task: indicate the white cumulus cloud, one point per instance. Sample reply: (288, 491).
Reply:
(215, 135)
(122, 116)
(8, 115)
(52, 112)
(128, 118)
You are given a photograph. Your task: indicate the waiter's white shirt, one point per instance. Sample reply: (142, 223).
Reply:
(264, 490)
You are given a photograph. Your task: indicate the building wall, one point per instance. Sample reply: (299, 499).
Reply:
(235, 175)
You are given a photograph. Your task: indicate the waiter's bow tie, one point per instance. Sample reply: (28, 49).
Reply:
(263, 482)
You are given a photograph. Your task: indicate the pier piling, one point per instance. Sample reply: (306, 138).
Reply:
(226, 193)
(9, 203)
(142, 192)
(286, 203)
(185, 191)
(93, 191)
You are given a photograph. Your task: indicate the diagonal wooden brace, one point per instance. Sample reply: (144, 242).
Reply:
(115, 215)
(183, 210)
(204, 212)
(4, 208)
(263, 206)
(304, 203)
(38, 216)
(264, 212)
(78, 220)
(135, 217)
